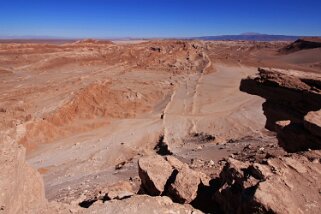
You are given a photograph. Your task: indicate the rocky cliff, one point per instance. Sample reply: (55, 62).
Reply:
(293, 102)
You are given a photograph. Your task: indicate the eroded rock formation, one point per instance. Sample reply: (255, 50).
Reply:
(290, 96)
(302, 44)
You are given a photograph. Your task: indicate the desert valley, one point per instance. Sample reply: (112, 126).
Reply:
(160, 126)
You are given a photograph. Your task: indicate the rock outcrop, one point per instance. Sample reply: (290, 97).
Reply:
(302, 44)
(290, 183)
(184, 188)
(283, 185)
(120, 190)
(22, 189)
(312, 122)
(154, 172)
(173, 178)
(290, 96)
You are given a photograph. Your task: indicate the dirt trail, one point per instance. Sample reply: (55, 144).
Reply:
(212, 103)
(187, 90)
(208, 67)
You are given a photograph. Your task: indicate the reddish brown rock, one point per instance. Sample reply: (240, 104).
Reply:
(154, 171)
(279, 125)
(21, 187)
(290, 96)
(184, 188)
(120, 190)
(312, 122)
(286, 89)
(171, 177)
(141, 204)
(302, 44)
(175, 163)
(295, 137)
(284, 185)
(178, 165)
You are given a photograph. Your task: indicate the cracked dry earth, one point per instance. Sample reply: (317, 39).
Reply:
(85, 112)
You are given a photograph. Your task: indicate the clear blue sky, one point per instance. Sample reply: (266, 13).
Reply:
(158, 18)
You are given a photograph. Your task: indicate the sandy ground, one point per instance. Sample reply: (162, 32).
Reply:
(212, 103)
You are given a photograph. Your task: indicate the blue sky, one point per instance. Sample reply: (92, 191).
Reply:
(157, 18)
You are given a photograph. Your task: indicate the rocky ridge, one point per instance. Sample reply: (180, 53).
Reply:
(302, 44)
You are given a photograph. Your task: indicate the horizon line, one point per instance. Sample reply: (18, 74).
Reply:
(48, 37)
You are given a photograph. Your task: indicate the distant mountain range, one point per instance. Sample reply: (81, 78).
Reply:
(244, 37)
(250, 37)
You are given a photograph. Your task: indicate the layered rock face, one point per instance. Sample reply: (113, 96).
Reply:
(293, 101)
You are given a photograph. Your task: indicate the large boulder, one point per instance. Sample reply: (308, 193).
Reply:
(171, 177)
(154, 172)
